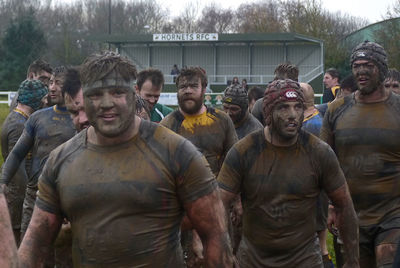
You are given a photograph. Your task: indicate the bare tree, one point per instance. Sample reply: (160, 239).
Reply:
(264, 16)
(214, 19)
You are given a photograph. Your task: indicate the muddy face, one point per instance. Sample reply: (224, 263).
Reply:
(392, 85)
(234, 111)
(287, 118)
(190, 95)
(366, 74)
(55, 95)
(110, 110)
(76, 108)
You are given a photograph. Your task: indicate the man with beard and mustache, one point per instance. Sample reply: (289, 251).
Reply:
(363, 129)
(124, 184)
(282, 71)
(279, 172)
(209, 129)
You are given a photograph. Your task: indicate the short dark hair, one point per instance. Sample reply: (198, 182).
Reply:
(349, 83)
(98, 66)
(393, 74)
(38, 66)
(72, 82)
(255, 93)
(154, 75)
(334, 73)
(286, 71)
(192, 72)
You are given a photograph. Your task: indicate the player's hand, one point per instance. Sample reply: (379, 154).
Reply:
(331, 221)
(197, 246)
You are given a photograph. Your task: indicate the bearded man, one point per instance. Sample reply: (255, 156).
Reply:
(279, 172)
(363, 129)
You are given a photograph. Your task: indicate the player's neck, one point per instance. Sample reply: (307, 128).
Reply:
(275, 139)
(97, 138)
(378, 95)
(199, 112)
(25, 109)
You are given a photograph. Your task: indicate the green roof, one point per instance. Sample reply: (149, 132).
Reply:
(367, 33)
(231, 38)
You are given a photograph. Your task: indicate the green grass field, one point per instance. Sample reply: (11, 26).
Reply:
(4, 110)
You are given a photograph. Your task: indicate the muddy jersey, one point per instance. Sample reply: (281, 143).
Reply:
(43, 132)
(212, 132)
(11, 131)
(125, 202)
(248, 124)
(366, 140)
(279, 187)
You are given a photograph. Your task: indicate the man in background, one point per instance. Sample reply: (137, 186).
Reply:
(236, 105)
(38, 70)
(331, 81)
(149, 85)
(392, 81)
(30, 94)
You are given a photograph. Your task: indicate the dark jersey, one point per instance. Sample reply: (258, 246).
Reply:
(248, 124)
(279, 187)
(257, 111)
(366, 140)
(44, 131)
(212, 132)
(11, 131)
(125, 202)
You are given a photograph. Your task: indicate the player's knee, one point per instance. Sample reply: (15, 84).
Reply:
(385, 255)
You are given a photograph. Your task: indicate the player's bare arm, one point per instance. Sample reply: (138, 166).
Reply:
(41, 233)
(347, 223)
(207, 217)
(8, 248)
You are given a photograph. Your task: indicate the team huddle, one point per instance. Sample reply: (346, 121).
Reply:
(97, 173)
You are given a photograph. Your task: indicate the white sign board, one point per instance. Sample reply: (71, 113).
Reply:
(187, 37)
(168, 99)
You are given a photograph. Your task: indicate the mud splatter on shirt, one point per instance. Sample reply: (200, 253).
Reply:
(366, 140)
(279, 187)
(125, 202)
